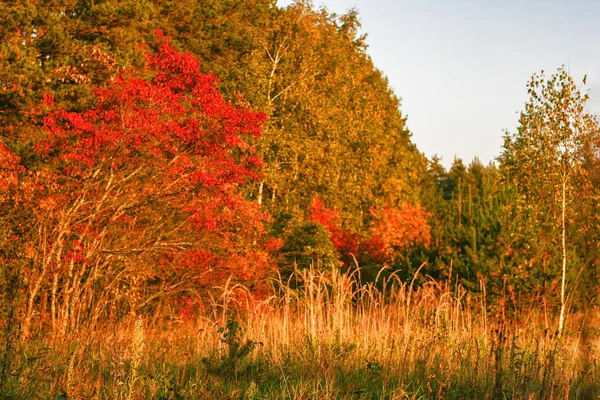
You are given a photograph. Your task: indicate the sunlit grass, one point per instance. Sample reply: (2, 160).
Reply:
(331, 339)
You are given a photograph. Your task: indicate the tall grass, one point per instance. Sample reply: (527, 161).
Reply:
(331, 339)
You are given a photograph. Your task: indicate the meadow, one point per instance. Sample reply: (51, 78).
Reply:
(320, 336)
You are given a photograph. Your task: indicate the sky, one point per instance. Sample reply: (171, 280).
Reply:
(461, 67)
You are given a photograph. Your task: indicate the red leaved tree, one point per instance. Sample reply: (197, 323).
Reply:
(138, 199)
(392, 231)
(344, 241)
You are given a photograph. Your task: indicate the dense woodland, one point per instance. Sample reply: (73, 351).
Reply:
(154, 152)
(243, 139)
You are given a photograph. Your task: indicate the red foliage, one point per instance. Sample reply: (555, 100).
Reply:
(153, 173)
(391, 232)
(327, 217)
(186, 308)
(9, 169)
(344, 241)
(394, 230)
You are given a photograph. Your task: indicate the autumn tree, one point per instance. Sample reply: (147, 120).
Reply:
(392, 233)
(334, 128)
(138, 200)
(64, 48)
(225, 35)
(544, 160)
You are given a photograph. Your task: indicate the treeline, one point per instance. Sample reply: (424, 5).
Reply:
(154, 150)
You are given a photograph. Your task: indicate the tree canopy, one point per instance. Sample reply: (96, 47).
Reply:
(136, 170)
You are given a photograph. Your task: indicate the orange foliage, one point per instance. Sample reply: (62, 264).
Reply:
(394, 230)
(344, 241)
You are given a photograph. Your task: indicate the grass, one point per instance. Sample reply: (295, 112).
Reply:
(332, 339)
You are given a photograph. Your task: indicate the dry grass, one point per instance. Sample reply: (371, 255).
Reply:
(331, 339)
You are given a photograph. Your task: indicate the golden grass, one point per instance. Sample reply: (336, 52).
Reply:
(332, 338)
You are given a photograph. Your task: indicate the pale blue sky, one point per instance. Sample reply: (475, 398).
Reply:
(461, 66)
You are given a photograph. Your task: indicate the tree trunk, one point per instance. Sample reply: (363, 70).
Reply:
(260, 192)
(561, 321)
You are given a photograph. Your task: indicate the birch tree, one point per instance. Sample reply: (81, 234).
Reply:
(544, 160)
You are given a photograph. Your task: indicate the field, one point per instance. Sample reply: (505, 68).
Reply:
(331, 339)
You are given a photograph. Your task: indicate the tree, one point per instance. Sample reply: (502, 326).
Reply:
(545, 161)
(335, 130)
(64, 48)
(226, 36)
(138, 199)
(392, 232)
(471, 225)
